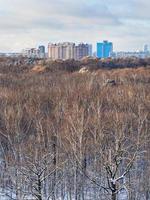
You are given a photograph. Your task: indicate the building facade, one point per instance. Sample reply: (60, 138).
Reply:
(90, 48)
(34, 52)
(146, 49)
(30, 53)
(41, 51)
(136, 54)
(68, 50)
(104, 49)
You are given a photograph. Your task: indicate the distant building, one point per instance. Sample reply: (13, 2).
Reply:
(94, 54)
(145, 53)
(146, 48)
(137, 54)
(3, 54)
(104, 49)
(90, 50)
(81, 51)
(60, 51)
(34, 52)
(41, 52)
(68, 50)
(31, 53)
(13, 55)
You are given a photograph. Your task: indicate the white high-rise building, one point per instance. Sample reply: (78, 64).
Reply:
(68, 50)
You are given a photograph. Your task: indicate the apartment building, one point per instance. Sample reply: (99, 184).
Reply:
(104, 49)
(68, 50)
(34, 52)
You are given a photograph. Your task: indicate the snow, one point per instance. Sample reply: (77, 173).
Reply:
(123, 194)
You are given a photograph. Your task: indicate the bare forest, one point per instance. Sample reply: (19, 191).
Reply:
(74, 130)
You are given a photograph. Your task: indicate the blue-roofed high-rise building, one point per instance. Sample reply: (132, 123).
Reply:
(104, 49)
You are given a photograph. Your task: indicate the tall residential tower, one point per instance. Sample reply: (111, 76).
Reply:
(68, 50)
(104, 49)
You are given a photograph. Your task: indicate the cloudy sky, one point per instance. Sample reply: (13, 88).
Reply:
(29, 23)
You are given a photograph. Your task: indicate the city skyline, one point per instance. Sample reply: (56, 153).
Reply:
(67, 50)
(27, 23)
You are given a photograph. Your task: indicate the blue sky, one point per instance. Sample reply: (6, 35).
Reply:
(28, 23)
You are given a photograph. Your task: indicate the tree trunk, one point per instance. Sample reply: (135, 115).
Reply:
(147, 195)
(76, 182)
(54, 143)
(114, 196)
(39, 189)
(84, 164)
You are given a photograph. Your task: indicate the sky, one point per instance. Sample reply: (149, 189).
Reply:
(29, 23)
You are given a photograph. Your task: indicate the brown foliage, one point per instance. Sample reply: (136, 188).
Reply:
(74, 107)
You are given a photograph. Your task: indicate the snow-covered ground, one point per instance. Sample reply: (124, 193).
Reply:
(8, 195)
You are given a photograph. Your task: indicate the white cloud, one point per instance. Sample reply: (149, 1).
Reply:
(29, 22)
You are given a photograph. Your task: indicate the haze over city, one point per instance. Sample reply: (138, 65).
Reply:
(26, 23)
